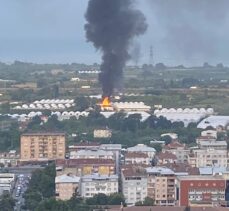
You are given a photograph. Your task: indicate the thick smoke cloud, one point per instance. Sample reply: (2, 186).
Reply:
(111, 26)
(193, 28)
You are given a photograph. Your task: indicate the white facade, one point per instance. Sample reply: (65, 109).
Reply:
(95, 184)
(211, 133)
(134, 188)
(208, 157)
(131, 106)
(6, 182)
(102, 133)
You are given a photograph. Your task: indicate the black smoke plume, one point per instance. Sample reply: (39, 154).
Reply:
(111, 26)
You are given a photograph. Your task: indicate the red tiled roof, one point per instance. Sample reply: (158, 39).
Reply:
(166, 155)
(136, 155)
(174, 145)
(76, 162)
(182, 167)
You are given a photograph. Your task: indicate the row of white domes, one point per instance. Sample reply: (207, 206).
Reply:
(186, 110)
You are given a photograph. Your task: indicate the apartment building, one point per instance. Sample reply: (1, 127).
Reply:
(67, 186)
(201, 191)
(134, 185)
(81, 167)
(137, 158)
(178, 149)
(220, 145)
(208, 157)
(161, 185)
(96, 183)
(42, 146)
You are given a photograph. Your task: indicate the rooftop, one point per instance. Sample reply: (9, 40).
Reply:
(99, 177)
(136, 155)
(160, 170)
(44, 134)
(78, 162)
(163, 208)
(141, 148)
(198, 177)
(67, 179)
(166, 155)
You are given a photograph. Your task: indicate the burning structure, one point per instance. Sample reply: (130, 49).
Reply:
(111, 26)
(106, 104)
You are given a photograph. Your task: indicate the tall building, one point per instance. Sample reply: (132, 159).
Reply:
(161, 185)
(201, 190)
(42, 146)
(134, 185)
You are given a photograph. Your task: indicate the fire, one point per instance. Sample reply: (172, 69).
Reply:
(106, 102)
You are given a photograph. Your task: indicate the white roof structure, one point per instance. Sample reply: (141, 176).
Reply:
(141, 148)
(131, 106)
(160, 170)
(186, 115)
(214, 121)
(67, 179)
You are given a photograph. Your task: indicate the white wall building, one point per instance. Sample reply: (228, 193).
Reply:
(95, 184)
(150, 151)
(91, 154)
(134, 186)
(6, 182)
(208, 157)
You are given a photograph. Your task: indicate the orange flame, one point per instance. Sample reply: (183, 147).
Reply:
(106, 102)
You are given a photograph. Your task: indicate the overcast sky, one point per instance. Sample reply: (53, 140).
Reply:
(48, 31)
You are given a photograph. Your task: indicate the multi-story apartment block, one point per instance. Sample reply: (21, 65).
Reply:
(218, 145)
(42, 146)
(201, 190)
(137, 158)
(81, 167)
(96, 183)
(161, 185)
(178, 149)
(208, 157)
(67, 186)
(134, 185)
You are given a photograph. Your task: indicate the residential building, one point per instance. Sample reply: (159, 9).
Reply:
(165, 157)
(204, 138)
(91, 154)
(9, 158)
(150, 151)
(134, 185)
(209, 133)
(7, 181)
(208, 157)
(218, 145)
(178, 149)
(67, 186)
(96, 183)
(137, 158)
(102, 133)
(201, 190)
(81, 167)
(42, 146)
(161, 185)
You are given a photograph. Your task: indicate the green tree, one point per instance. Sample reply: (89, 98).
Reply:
(7, 203)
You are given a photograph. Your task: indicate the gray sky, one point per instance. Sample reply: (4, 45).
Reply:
(47, 31)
